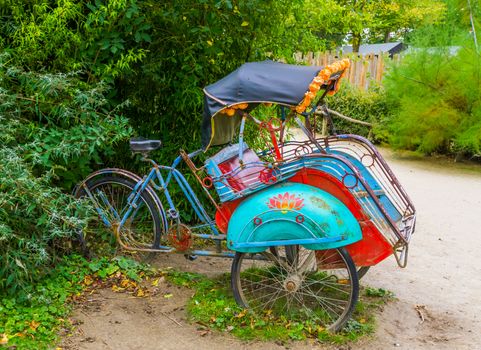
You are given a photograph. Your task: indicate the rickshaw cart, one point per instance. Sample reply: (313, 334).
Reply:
(302, 220)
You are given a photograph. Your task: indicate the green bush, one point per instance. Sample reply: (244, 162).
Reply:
(437, 87)
(53, 130)
(439, 101)
(34, 217)
(369, 106)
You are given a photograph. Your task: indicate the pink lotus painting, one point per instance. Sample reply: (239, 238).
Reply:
(285, 202)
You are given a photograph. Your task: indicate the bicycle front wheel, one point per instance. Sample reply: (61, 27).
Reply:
(110, 198)
(311, 288)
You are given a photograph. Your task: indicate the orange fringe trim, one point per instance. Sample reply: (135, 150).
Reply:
(323, 78)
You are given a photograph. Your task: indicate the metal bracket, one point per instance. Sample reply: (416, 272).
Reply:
(400, 251)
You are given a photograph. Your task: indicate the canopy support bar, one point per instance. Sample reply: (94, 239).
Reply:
(309, 135)
(241, 139)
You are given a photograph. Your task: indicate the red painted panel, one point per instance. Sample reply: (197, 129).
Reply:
(222, 216)
(373, 248)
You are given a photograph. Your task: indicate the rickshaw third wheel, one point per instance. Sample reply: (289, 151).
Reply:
(316, 288)
(361, 272)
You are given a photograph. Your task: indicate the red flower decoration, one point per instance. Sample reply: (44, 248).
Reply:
(285, 202)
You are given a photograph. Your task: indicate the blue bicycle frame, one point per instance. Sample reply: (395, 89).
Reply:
(155, 173)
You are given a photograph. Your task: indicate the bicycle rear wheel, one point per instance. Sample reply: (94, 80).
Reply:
(110, 198)
(312, 288)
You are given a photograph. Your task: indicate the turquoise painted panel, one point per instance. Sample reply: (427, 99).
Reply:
(291, 213)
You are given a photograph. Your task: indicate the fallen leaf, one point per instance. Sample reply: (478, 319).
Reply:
(156, 282)
(245, 24)
(88, 280)
(3, 339)
(124, 283)
(362, 320)
(167, 296)
(141, 293)
(117, 289)
(241, 314)
(34, 325)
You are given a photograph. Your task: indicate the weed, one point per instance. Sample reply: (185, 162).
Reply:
(378, 292)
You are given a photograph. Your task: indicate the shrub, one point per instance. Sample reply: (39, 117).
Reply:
(437, 87)
(53, 129)
(369, 106)
(439, 101)
(33, 217)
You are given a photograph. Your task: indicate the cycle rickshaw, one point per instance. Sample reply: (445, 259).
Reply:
(302, 220)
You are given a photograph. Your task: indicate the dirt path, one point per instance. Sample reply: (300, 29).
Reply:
(444, 270)
(442, 282)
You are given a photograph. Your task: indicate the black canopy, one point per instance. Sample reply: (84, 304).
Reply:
(253, 83)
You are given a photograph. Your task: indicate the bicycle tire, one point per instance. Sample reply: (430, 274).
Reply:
(148, 239)
(254, 293)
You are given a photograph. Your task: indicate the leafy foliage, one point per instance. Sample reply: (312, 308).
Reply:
(53, 128)
(437, 91)
(369, 106)
(33, 217)
(377, 21)
(101, 38)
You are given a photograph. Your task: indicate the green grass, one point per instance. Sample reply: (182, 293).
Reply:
(33, 322)
(213, 307)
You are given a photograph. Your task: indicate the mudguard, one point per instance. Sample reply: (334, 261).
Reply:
(291, 213)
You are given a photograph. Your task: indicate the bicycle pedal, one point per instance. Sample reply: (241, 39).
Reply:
(190, 257)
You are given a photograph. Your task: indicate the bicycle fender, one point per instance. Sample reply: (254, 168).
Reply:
(291, 213)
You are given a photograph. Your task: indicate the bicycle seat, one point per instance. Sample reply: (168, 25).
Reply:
(140, 144)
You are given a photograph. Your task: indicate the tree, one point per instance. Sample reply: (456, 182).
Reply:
(447, 118)
(381, 20)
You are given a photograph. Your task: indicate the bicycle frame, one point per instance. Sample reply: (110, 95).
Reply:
(154, 175)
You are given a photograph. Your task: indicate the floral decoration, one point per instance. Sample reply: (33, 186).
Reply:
(323, 78)
(231, 110)
(285, 202)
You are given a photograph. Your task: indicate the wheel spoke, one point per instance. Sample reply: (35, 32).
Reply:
(110, 195)
(300, 292)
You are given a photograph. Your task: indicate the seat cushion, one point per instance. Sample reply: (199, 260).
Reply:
(242, 178)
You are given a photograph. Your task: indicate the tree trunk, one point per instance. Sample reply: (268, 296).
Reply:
(356, 42)
(387, 36)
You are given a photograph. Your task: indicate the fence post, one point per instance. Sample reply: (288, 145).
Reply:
(365, 70)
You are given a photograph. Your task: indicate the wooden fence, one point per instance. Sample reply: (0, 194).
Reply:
(365, 70)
